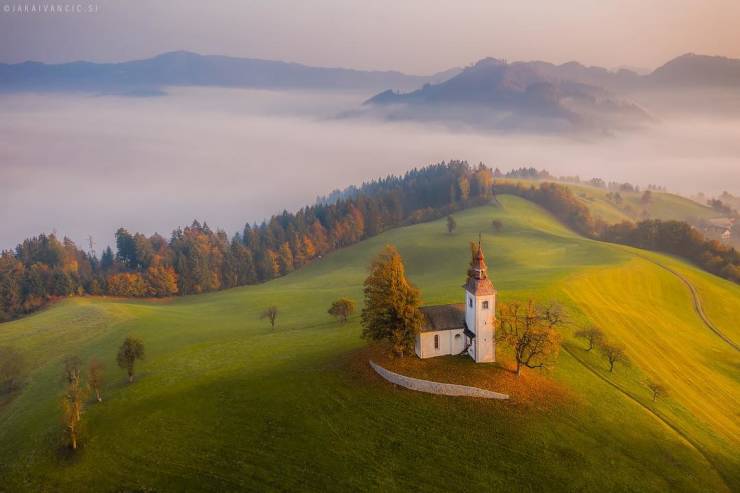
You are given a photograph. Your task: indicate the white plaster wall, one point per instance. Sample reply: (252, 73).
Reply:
(448, 343)
(484, 330)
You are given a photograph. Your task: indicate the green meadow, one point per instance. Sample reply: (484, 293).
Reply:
(223, 402)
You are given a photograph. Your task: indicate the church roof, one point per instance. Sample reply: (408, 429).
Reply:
(478, 282)
(443, 317)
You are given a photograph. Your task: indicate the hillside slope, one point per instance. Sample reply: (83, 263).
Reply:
(224, 402)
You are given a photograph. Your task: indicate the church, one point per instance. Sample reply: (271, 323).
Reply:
(466, 327)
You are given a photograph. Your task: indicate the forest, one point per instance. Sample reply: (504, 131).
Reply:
(197, 259)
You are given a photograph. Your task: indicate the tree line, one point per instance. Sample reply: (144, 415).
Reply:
(197, 259)
(673, 237)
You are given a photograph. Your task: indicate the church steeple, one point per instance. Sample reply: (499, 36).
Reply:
(480, 308)
(478, 282)
(478, 267)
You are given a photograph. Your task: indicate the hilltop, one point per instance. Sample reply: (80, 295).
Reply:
(224, 402)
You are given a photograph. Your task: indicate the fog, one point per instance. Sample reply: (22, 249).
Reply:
(85, 165)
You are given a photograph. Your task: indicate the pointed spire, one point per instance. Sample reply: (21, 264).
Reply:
(479, 268)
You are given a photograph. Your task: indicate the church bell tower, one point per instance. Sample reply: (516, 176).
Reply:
(480, 310)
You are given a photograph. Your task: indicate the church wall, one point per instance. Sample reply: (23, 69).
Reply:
(448, 343)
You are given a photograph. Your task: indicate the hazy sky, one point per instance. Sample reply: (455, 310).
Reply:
(418, 36)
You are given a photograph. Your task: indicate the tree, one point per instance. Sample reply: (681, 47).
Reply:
(497, 225)
(72, 369)
(451, 224)
(270, 313)
(161, 281)
(593, 335)
(73, 399)
(131, 350)
(531, 334)
(391, 310)
(342, 309)
(95, 378)
(11, 369)
(647, 197)
(614, 354)
(657, 390)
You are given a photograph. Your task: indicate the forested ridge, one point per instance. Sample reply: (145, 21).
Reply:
(197, 259)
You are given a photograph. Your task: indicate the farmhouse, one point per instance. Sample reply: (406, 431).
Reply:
(466, 327)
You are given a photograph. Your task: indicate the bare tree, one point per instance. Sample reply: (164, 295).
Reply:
(657, 390)
(72, 373)
(532, 336)
(95, 378)
(552, 314)
(593, 335)
(73, 399)
(614, 354)
(271, 313)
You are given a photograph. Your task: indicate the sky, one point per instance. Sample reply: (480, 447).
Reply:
(414, 36)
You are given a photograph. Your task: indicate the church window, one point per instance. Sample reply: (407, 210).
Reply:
(470, 302)
(436, 341)
(485, 305)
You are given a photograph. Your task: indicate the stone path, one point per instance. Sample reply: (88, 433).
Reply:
(435, 387)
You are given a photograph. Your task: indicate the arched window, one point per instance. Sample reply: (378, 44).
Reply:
(436, 341)
(470, 302)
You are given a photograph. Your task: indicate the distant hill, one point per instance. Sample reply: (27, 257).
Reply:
(183, 68)
(692, 70)
(543, 96)
(513, 95)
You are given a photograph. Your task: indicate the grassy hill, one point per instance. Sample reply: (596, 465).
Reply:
(665, 206)
(223, 402)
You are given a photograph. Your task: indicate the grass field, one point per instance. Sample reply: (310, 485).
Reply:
(665, 206)
(223, 402)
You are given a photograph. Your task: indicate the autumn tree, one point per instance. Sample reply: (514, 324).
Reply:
(342, 309)
(72, 400)
(11, 369)
(131, 350)
(391, 310)
(95, 378)
(451, 224)
(531, 334)
(614, 353)
(497, 225)
(593, 336)
(270, 313)
(161, 281)
(657, 390)
(72, 369)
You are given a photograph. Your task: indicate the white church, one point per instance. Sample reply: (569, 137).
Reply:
(463, 328)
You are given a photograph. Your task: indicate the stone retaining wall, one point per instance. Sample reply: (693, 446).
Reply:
(435, 387)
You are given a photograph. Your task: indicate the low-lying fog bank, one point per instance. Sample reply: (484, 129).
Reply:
(85, 165)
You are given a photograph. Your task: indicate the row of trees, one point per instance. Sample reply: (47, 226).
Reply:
(76, 391)
(673, 237)
(196, 259)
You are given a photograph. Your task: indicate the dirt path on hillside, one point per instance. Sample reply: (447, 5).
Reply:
(665, 421)
(697, 303)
